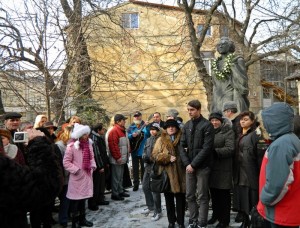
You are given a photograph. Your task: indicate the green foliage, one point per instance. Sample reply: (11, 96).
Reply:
(90, 111)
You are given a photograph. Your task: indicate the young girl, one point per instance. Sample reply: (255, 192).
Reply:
(79, 161)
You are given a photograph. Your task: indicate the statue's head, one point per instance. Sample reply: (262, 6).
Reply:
(225, 45)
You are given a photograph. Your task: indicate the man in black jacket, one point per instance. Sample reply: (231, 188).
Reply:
(101, 158)
(196, 152)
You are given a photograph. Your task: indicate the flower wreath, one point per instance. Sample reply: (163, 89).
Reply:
(223, 73)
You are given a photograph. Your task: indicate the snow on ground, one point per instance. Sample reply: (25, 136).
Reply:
(127, 214)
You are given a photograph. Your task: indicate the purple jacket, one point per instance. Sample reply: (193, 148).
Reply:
(80, 182)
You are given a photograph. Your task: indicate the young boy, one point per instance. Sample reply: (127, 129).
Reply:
(153, 199)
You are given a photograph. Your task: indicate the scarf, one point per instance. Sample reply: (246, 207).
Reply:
(86, 155)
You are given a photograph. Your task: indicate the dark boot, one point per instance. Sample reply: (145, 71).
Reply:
(171, 225)
(75, 222)
(239, 217)
(84, 222)
(212, 220)
(246, 221)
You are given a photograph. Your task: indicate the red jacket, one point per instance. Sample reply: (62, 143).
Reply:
(114, 136)
(280, 200)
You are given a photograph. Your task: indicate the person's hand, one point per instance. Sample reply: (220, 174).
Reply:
(101, 170)
(173, 158)
(134, 134)
(32, 133)
(146, 123)
(119, 161)
(77, 172)
(189, 169)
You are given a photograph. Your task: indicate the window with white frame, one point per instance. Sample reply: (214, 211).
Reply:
(207, 57)
(200, 28)
(130, 20)
(224, 31)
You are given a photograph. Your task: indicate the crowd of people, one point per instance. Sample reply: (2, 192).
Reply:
(238, 160)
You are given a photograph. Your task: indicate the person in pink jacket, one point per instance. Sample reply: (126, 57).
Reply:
(79, 161)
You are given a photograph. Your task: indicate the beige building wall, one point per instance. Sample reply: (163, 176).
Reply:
(150, 68)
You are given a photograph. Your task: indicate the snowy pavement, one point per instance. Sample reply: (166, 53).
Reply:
(127, 214)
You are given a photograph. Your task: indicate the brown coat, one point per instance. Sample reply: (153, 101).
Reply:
(162, 152)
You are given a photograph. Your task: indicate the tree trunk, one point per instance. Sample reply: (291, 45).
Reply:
(2, 111)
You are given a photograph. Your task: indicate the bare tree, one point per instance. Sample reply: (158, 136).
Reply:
(268, 27)
(196, 42)
(78, 46)
(29, 37)
(259, 28)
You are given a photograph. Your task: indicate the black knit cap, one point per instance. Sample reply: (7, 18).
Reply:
(171, 123)
(216, 115)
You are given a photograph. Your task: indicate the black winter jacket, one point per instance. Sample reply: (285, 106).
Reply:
(30, 187)
(247, 160)
(99, 148)
(221, 173)
(147, 154)
(196, 146)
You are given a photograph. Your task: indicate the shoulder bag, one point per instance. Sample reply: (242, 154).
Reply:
(159, 182)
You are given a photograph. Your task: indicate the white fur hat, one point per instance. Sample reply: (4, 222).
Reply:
(80, 130)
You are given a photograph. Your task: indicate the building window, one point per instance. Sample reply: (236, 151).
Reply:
(207, 57)
(293, 84)
(130, 20)
(224, 32)
(200, 28)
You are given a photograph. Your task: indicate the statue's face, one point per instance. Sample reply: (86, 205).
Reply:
(223, 47)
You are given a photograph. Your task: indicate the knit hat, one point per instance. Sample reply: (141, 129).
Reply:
(155, 126)
(216, 115)
(171, 123)
(172, 112)
(5, 133)
(80, 130)
(229, 105)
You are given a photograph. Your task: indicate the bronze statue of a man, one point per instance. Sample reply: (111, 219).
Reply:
(230, 81)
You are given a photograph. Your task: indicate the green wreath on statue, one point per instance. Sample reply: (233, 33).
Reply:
(223, 73)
